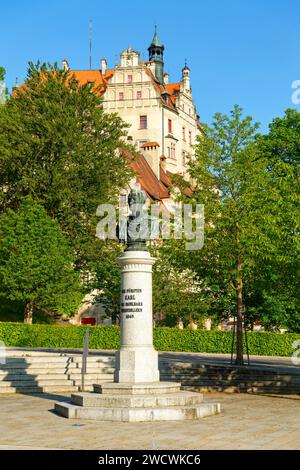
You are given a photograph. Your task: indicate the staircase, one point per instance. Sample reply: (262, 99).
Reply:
(232, 379)
(49, 372)
(35, 371)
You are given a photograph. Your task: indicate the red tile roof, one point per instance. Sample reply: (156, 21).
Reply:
(173, 89)
(93, 76)
(87, 76)
(150, 144)
(160, 89)
(146, 176)
(165, 179)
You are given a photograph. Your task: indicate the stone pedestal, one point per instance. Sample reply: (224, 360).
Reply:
(136, 393)
(160, 401)
(136, 360)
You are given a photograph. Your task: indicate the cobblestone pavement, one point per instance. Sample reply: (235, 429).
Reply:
(246, 422)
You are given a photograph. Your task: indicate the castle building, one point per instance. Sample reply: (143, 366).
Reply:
(163, 126)
(159, 113)
(162, 116)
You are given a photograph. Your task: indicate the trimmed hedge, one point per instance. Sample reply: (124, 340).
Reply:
(262, 343)
(165, 339)
(57, 336)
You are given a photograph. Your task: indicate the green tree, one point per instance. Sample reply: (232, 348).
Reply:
(3, 88)
(277, 282)
(107, 281)
(232, 183)
(36, 261)
(251, 196)
(177, 292)
(58, 145)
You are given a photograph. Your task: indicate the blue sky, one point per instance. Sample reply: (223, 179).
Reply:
(239, 51)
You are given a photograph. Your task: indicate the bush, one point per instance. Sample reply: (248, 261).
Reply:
(260, 343)
(165, 339)
(56, 336)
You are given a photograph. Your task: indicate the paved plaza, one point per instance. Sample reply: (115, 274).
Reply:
(246, 422)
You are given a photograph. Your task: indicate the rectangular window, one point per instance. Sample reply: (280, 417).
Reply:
(169, 152)
(183, 134)
(170, 126)
(121, 96)
(129, 78)
(138, 95)
(190, 137)
(173, 151)
(183, 159)
(143, 122)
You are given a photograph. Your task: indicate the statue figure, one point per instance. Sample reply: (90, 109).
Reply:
(139, 227)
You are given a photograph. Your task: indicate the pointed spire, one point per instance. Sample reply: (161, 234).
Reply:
(155, 41)
(156, 55)
(185, 65)
(16, 84)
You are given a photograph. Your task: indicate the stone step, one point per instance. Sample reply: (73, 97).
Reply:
(175, 413)
(278, 382)
(275, 383)
(53, 365)
(136, 401)
(254, 381)
(96, 377)
(44, 389)
(225, 375)
(55, 370)
(238, 389)
(51, 382)
(155, 388)
(10, 361)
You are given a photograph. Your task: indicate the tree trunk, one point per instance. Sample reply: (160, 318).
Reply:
(239, 316)
(28, 312)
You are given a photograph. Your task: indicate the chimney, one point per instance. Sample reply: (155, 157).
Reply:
(65, 65)
(163, 161)
(150, 150)
(103, 66)
(166, 78)
(163, 165)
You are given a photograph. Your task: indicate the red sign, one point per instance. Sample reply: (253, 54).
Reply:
(88, 321)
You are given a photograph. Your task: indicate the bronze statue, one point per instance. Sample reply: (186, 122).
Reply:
(138, 228)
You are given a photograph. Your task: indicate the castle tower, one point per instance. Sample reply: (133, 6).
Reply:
(156, 55)
(186, 78)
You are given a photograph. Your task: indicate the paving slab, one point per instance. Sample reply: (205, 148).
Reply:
(246, 422)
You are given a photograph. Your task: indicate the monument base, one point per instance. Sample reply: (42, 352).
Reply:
(136, 364)
(133, 402)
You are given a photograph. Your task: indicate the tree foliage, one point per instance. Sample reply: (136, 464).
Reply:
(36, 261)
(276, 292)
(177, 293)
(58, 145)
(250, 220)
(3, 88)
